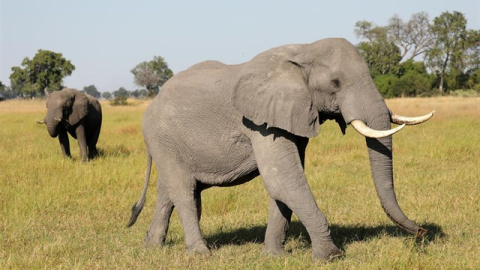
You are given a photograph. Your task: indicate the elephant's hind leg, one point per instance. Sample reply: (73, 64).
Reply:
(157, 230)
(92, 143)
(183, 192)
(279, 216)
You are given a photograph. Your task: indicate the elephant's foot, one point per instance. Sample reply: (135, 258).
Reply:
(274, 249)
(154, 240)
(199, 248)
(326, 252)
(274, 252)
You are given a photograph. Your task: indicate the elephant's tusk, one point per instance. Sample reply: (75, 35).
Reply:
(40, 122)
(372, 133)
(57, 119)
(399, 120)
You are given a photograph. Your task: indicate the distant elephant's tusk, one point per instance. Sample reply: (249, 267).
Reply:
(372, 133)
(40, 122)
(399, 120)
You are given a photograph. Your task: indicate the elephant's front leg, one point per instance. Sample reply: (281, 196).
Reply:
(82, 142)
(279, 216)
(281, 169)
(64, 143)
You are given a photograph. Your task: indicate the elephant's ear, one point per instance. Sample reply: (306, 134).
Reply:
(79, 107)
(273, 90)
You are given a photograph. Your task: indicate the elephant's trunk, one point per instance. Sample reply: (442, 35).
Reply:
(367, 105)
(52, 127)
(380, 155)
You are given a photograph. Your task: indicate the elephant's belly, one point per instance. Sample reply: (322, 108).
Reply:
(214, 156)
(225, 161)
(230, 177)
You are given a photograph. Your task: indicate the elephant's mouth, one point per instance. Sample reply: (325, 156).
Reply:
(337, 117)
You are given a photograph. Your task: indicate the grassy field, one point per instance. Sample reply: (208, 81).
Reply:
(58, 213)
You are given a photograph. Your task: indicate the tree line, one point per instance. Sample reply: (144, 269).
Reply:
(406, 58)
(47, 69)
(148, 74)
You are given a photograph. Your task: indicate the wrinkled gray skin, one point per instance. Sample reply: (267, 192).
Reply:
(222, 125)
(77, 113)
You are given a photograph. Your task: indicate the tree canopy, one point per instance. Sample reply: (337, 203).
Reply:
(450, 52)
(92, 91)
(106, 95)
(121, 92)
(152, 74)
(45, 69)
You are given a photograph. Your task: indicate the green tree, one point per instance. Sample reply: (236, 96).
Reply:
(2, 91)
(140, 93)
(451, 42)
(19, 80)
(367, 30)
(385, 84)
(106, 95)
(412, 80)
(6, 92)
(411, 84)
(45, 69)
(474, 79)
(381, 55)
(92, 91)
(152, 75)
(121, 92)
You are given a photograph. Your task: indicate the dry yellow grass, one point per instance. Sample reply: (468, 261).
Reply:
(57, 213)
(446, 107)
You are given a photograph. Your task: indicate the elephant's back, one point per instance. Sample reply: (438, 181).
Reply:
(200, 90)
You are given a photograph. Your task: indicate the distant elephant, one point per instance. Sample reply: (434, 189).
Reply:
(77, 113)
(223, 125)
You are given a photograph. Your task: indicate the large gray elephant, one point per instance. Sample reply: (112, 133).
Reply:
(223, 125)
(77, 113)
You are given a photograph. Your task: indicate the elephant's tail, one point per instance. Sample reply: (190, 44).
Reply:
(138, 206)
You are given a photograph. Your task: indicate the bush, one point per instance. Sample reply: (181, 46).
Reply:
(385, 84)
(465, 93)
(411, 84)
(119, 101)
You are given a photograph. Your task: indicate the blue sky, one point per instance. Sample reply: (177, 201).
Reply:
(105, 39)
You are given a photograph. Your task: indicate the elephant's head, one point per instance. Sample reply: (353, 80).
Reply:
(66, 107)
(298, 87)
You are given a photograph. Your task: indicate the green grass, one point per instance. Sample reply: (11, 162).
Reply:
(58, 213)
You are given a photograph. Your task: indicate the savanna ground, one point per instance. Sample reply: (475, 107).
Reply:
(58, 213)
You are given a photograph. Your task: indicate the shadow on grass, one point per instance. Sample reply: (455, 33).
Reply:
(341, 235)
(115, 151)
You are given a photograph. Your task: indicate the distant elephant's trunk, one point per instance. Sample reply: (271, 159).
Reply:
(52, 127)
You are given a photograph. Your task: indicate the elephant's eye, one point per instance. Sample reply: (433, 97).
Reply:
(336, 83)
